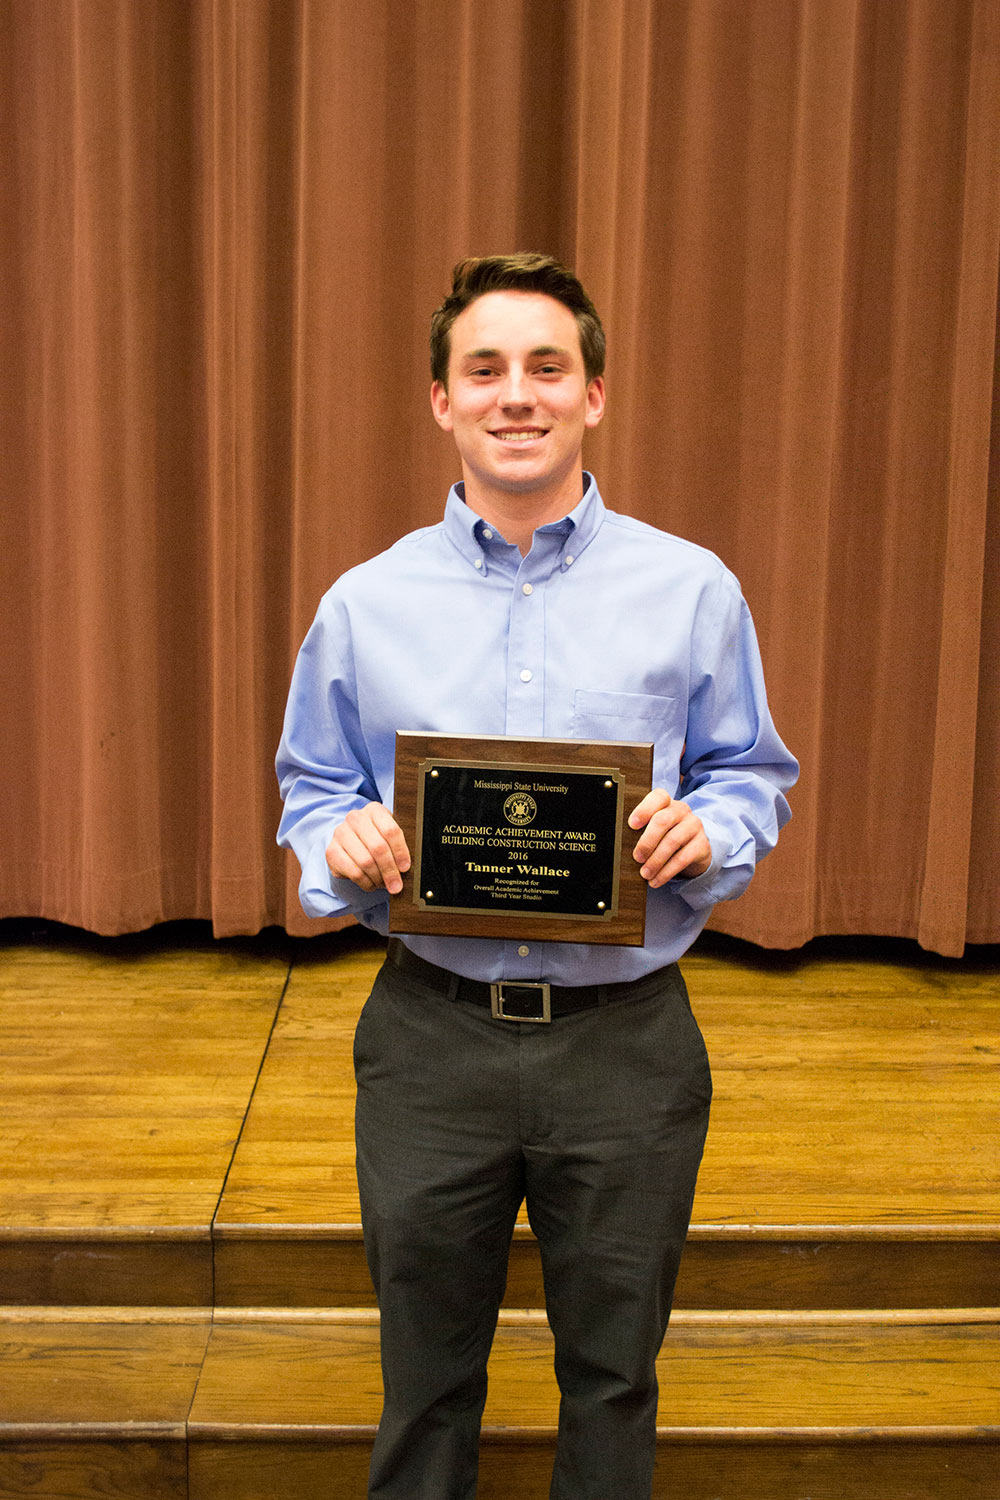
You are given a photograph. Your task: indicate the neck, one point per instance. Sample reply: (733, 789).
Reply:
(517, 517)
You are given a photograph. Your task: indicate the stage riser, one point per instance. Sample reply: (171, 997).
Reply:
(82, 1470)
(151, 1272)
(735, 1273)
(125, 1470)
(694, 1471)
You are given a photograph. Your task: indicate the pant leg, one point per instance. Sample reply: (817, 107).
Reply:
(621, 1101)
(441, 1180)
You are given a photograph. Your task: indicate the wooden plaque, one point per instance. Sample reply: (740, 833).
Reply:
(520, 838)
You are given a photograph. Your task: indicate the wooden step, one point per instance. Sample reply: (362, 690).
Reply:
(126, 1070)
(755, 1406)
(760, 1408)
(738, 1266)
(94, 1402)
(852, 1161)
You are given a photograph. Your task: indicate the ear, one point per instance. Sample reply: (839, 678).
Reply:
(595, 402)
(440, 405)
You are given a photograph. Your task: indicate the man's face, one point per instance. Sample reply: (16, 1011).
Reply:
(518, 401)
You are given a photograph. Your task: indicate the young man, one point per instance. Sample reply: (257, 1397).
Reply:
(531, 610)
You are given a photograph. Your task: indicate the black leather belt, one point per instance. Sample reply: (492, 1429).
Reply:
(520, 1000)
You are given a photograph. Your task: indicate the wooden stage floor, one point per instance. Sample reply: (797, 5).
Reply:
(175, 1121)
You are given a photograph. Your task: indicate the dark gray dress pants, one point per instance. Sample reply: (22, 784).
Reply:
(599, 1121)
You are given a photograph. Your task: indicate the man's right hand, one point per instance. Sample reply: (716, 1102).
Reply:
(368, 847)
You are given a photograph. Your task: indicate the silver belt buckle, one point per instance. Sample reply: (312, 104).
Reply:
(537, 1003)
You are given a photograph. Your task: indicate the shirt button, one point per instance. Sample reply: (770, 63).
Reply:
(487, 533)
(569, 559)
(478, 563)
(525, 674)
(526, 588)
(523, 951)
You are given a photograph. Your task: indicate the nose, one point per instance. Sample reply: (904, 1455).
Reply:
(516, 390)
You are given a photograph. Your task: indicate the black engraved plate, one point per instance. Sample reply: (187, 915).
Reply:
(533, 839)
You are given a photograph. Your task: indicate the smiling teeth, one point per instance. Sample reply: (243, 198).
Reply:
(520, 437)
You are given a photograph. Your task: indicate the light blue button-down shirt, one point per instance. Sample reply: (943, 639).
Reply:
(607, 630)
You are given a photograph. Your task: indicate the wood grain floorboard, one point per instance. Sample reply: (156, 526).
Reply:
(125, 1080)
(846, 1093)
(295, 1161)
(94, 1402)
(853, 1155)
(761, 1408)
(99, 1374)
(762, 1379)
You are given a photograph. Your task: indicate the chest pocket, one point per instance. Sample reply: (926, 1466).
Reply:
(599, 715)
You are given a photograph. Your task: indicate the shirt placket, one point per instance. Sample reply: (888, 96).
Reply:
(525, 715)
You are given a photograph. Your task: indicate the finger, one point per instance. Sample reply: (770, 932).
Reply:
(671, 832)
(388, 848)
(374, 826)
(368, 847)
(653, 802)
(685, 848)
(348, 858)
(393, 835)
(658, 826)
(690, 861)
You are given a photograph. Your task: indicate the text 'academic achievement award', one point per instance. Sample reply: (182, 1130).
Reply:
(516, 838)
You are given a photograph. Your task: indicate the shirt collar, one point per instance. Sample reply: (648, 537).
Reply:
(464, 528)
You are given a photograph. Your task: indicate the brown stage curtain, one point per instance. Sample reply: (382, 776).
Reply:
(225, 224)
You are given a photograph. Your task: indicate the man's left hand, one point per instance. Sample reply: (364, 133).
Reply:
(673, 842)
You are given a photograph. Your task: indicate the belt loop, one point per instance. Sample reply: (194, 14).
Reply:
(454, 980)
(602, 994)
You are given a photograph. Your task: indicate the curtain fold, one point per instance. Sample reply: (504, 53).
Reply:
(226, 225)
(945, 901)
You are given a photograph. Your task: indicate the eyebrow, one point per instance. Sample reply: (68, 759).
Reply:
(543, 349)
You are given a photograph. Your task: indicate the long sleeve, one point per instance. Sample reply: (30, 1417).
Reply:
(734, 769)
(323, 768)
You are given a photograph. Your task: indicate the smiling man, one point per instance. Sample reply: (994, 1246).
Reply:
(517, 399)
(531, 610)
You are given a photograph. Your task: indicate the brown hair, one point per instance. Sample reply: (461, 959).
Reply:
(524, 272)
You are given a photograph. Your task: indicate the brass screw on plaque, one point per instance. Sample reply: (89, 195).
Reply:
(609, 783)
(600, 906)
(428, 895)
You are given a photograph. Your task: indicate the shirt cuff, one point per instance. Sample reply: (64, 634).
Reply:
(726, 877)
(323, 896)
(367, 906)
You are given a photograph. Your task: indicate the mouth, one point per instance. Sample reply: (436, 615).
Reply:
(519, 434)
